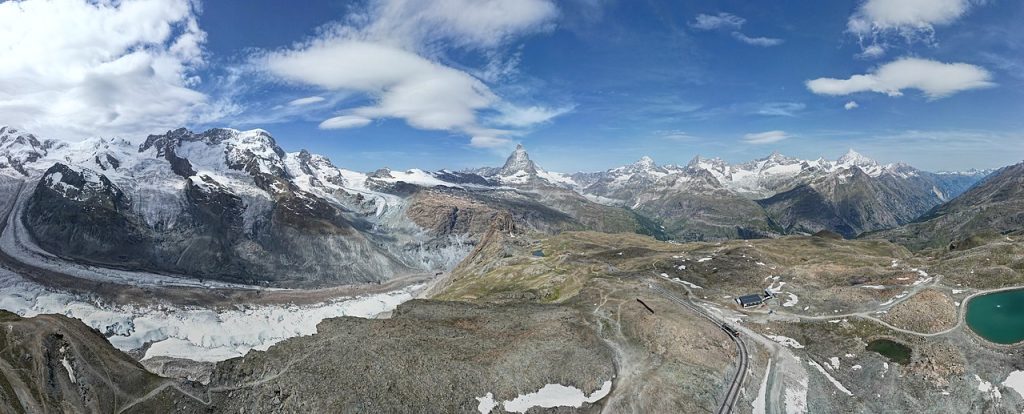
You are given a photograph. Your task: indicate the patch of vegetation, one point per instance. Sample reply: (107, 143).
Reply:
(649, 227)
(895, 351)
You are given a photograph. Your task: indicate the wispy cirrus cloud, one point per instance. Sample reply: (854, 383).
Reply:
(307, 101)
(757, 41)
(780, 108)
(717, 21)
(731, 23)
(767, 137)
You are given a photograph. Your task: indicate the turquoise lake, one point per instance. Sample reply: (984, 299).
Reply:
(998, 317)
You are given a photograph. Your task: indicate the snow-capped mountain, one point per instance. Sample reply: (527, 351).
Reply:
(232, 205)
(848, 195)
(621, 184)
(520, 170)
(766, 176)
(20, 150)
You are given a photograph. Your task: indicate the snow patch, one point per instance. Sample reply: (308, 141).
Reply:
(67, 365)
(837, 384)
(833, 363)
(785, 341)
(1015, 382)
(550, 396)
(688, 284)
(486, 404)
(791, 301)
(759, 403)
(796, 398)
(987, 388)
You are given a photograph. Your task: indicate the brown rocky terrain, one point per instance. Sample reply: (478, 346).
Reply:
(929, 311)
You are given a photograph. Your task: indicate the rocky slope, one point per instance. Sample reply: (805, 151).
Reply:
(993, 207)
(52, 363)
(578, 310)
(853, 201)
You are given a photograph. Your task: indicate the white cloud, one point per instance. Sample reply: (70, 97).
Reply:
(873, 51)
(906, 14)
(766, 137)
(757, 41)
(391, 54)
(426, 94)
(516, 116)
(935, 79)
(484, 141)
(345, 122)
(465, 23)
(719, 21)
(731, 22)
(72, 68)
(909, 19)
(306, 101)
(851, 105)
(780, 108)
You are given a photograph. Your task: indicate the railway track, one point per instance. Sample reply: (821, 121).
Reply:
(733, 393)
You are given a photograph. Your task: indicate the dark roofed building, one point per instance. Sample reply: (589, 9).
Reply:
(749, 301)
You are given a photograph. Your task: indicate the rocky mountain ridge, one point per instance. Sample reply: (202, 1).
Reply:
(236, 199)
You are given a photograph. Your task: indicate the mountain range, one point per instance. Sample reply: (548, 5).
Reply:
(525, 269)
(228, 204)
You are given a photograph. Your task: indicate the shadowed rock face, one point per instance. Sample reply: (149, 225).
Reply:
(855, 202)
(297, 239)
(51, 363)
(994, 206)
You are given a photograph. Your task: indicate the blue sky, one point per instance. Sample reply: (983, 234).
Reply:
(583, 84)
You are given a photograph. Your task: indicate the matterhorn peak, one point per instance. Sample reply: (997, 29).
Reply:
(519, 161)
